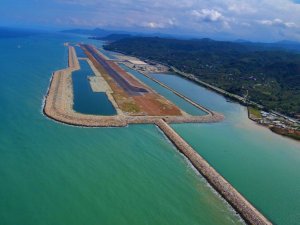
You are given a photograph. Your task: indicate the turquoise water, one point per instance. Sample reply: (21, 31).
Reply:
(184, 105)
(262, 165)
(51, 173)
(85, 100)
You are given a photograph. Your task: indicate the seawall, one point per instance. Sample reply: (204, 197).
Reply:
(225, 189)
(59, 104)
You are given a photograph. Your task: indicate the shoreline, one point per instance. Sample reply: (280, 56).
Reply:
(244, 208)
(58, 106)
(279, 131)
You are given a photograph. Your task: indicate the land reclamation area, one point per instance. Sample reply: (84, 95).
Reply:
(265, 74)
(133, 101)
(57, 174)
(59, 102)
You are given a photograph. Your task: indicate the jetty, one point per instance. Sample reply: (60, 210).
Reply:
(58, 105)
(248, 212)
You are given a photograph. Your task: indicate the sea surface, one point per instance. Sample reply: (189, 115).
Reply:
(263, 166)
(51, 173)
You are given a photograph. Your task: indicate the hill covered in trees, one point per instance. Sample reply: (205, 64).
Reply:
(265, 73)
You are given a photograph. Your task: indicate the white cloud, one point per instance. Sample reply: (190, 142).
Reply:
(247, 19)
(159, 25)
(208, 15)
(278, 23)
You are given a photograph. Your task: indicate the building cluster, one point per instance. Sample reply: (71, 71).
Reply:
(276, 120)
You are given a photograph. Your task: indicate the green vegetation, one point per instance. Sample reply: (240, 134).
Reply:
(254, 113)
(266, 75)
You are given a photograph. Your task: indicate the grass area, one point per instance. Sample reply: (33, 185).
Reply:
(254, 113)
(130, 107)
(125, 103)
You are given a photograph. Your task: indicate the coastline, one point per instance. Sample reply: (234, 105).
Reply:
(244, 208)
(292, 134)
(58, 106)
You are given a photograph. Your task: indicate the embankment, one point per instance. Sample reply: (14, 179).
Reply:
(232, 196)
(59, 100)
(217, 116)
(59, 105)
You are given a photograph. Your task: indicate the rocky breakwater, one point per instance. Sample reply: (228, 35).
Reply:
(59, 100)
(225, 189)
(59, 104)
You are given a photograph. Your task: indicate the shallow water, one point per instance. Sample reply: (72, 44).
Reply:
(51, 173)
(262, 165)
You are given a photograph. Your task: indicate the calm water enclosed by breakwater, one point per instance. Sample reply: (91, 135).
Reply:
(85, 100)
(183, 104)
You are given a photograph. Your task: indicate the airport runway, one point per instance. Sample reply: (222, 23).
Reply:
(123, 83)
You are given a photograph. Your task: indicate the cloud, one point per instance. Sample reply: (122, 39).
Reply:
(241, 8)
(277, 23)
(208, 15)
(247, 19)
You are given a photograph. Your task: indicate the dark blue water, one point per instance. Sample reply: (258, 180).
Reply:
(80, 52)
(85, 100)
(6, 32)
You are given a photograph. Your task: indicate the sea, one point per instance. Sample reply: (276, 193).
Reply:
(52, 173)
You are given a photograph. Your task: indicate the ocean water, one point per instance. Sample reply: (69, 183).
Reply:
(263, 166)
(52, 173)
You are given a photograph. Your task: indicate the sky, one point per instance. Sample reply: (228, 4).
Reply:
(256, 20)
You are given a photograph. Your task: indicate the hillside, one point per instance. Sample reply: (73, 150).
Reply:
(265, 74)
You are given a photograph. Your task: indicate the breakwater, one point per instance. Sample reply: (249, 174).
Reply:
(225, 189)
(204, 109)
(59, 104)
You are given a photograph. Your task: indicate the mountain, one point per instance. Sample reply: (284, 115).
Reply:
(113, 37)
(94, 32)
